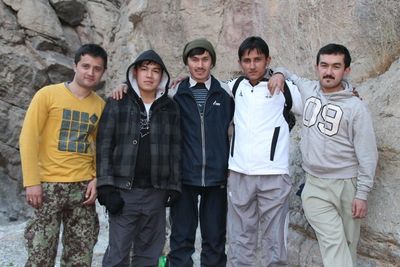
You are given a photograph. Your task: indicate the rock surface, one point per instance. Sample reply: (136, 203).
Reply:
(38, 38)
(70, 12)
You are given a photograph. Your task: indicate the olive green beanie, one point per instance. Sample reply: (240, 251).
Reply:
(199, 43)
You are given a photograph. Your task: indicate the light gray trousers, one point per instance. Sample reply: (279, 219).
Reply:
(257, 213)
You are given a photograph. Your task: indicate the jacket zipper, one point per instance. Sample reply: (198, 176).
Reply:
(203, 149)
(132, 117)
(203, 140)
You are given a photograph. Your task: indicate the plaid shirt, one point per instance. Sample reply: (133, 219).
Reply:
(118, 138)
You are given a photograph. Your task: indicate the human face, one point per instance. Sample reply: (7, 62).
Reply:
(88, 71)
(331, 71)
(148, 77)
(253, 65)
(200, 67)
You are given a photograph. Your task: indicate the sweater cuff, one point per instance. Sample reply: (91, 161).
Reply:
(361, 195)
(31, 183)
(105, 180)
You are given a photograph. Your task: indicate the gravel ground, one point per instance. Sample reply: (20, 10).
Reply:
(13, 253)
(12, 246)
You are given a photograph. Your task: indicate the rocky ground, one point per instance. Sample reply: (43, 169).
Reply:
(12, 247)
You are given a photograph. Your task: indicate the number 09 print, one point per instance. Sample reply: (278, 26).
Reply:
(331, 116)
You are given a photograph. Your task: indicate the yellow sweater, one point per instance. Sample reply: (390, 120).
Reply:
(57, 142)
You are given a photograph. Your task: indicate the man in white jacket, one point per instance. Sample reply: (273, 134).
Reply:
(339, 155)
(258, 184)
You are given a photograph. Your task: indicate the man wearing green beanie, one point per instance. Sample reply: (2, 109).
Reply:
(206, 108)
(199, 43)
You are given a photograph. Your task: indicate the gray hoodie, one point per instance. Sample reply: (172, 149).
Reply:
(338, 139)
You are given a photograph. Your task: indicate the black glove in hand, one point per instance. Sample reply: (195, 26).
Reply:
(110, 198)
(173, 197)
(103, 192)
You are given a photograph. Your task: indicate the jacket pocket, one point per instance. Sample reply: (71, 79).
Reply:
(274, 143)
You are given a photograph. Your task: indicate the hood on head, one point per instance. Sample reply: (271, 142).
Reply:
(148, 55)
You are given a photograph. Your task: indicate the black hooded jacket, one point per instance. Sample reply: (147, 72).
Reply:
(119, 136)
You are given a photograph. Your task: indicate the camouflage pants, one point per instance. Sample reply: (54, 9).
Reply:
(62, 202)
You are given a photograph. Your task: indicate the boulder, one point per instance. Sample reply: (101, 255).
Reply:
(40, 17)
(13, 206)
(72, 39)
(14, 4)
(10, 31)
(381, 233)
(43, 43)
(21, 76)
(59, 68)
(69, 11)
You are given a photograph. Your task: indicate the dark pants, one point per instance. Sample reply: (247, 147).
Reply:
(142, 222)
(184, 220)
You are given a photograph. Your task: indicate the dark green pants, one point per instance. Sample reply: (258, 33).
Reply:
(62, 203)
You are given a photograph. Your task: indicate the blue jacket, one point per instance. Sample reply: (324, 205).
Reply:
(205, 142)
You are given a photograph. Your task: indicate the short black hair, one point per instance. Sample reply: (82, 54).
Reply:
(145, 63)
(93, 50)
(196, 51)
(251, 43)
(335, 49)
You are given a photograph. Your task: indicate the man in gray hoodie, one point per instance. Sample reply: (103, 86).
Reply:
(339, 154)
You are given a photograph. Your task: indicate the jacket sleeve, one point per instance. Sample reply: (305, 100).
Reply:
(105, 143)
(175, 158)
(94, 138)
(287, 74)
(34, 123)
(366, 151)
(300, 82)
(297, 106)
(94, 174)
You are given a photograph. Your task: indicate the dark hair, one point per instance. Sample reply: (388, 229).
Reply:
(93, 50)
(335, 49)
(145, 63)
(196, 51)
(251, 43)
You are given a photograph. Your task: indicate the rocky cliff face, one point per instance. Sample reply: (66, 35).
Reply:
(38, 38)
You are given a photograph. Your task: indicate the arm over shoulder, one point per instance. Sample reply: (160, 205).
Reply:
(297, 80)
(226, 86)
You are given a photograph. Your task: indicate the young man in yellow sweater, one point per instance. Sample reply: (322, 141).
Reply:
(58, 164)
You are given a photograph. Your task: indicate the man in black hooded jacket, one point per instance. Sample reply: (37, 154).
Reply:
(138, 155)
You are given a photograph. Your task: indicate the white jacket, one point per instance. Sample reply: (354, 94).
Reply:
(260, 142)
